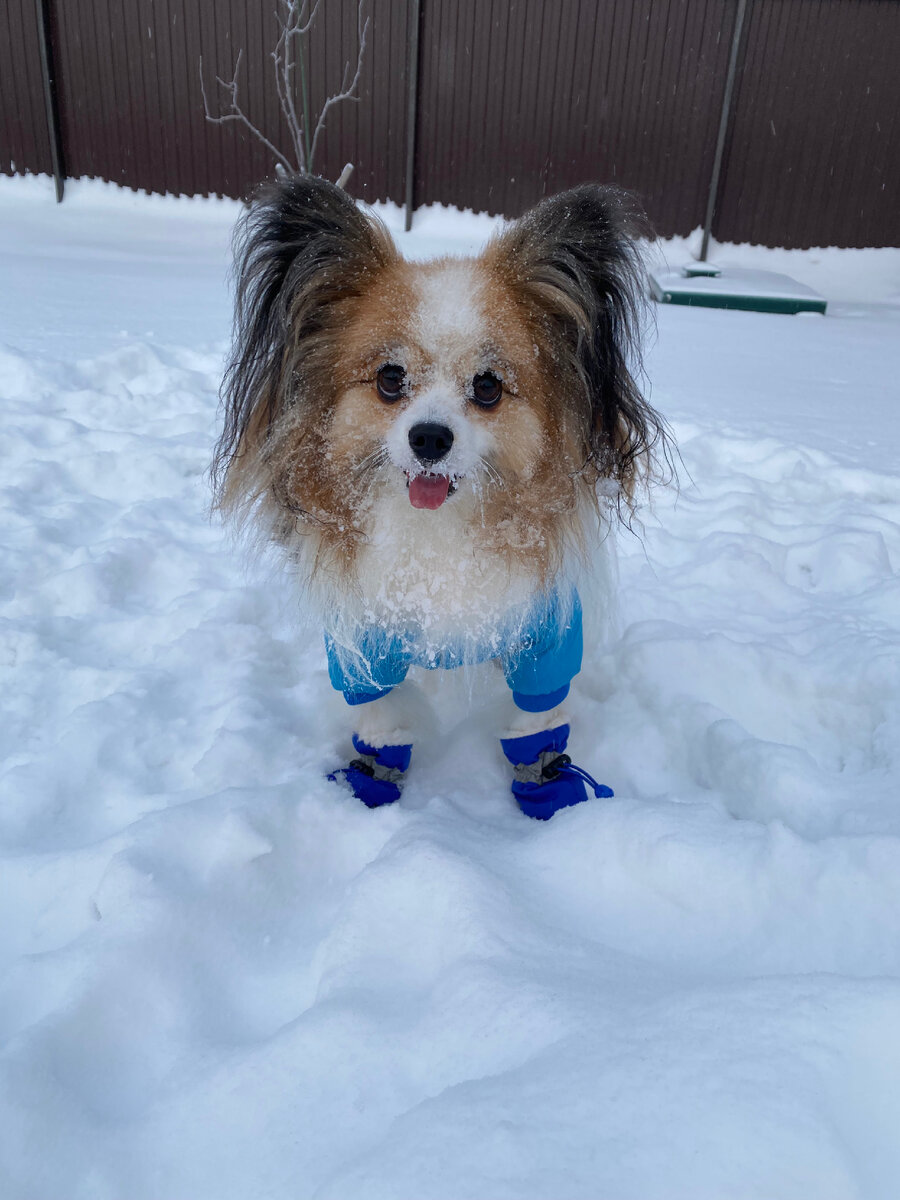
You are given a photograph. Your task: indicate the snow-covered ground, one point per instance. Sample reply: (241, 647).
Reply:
(224, 979)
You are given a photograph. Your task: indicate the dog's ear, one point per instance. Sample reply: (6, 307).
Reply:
(576, 259)
(302, 247)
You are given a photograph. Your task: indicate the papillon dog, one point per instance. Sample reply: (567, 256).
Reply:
(434, 445)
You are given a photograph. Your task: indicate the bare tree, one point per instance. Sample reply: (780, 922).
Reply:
(295, 18)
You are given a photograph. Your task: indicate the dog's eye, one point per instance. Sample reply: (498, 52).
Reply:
(486, 389)
(389, 381)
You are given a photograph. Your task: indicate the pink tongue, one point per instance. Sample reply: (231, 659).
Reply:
(428, 491)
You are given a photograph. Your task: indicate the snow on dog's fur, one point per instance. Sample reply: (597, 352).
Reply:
(344, 351)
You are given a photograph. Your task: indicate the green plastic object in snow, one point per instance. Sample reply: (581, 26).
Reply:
(706, 286)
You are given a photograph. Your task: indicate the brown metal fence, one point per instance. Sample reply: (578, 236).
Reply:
(24, 137)
(814, 153)
(516, 99)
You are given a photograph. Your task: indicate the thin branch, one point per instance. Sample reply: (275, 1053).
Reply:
(295, 19)
(302, 29)
(304, 95)
(281, 59)
(237, 113)
(346, 93)
(297, 28)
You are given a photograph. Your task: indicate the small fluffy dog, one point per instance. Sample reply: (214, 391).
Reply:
(434, 445)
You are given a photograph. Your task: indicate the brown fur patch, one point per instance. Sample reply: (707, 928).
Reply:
(539, 513)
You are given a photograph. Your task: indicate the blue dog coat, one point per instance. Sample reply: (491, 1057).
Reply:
(540, 658)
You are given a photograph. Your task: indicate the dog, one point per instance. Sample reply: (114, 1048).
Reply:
(434, 445)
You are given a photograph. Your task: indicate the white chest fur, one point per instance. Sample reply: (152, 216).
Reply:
(430, 569)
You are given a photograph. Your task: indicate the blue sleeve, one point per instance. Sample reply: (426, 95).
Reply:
(547, 657)
(369, 669)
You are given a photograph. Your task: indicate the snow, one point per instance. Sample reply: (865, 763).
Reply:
(224, 978)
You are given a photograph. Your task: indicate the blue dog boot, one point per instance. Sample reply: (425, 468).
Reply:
(377, 775)
(544, 777)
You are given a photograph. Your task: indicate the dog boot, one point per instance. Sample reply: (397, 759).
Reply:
(377, 775)
(544, 777)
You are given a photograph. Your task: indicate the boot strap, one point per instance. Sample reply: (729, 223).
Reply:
(544, 768)
(368, 764)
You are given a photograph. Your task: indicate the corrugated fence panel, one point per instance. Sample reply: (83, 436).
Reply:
(813, 158)
(24, 140)
(369, 132)
(517, 99)
(131, 96)
(520, 98)
(130, 82)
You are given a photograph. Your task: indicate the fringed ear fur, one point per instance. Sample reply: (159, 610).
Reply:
(576, 261)
(302, 248)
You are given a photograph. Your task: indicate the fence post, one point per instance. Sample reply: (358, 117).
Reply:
(51, 106)
(412, 109)
(723, 127)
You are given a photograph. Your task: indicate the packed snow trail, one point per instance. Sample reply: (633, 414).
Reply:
(225, 979)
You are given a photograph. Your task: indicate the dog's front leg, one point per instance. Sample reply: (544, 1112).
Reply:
(520, 723)
(391, 719)
(382, 739)
(539, 670)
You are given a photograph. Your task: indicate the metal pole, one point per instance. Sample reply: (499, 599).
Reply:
(50, 101)
(412, 109)
(723, 127)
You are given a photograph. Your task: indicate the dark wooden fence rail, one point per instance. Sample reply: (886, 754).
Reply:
(516, 99)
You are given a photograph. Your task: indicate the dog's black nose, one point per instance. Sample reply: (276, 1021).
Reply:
(430, 442)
